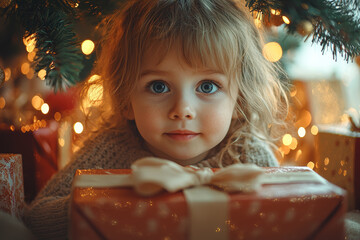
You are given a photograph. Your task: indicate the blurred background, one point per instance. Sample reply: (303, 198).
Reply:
(41, 121)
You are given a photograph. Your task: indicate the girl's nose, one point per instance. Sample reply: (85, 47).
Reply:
(182, 109)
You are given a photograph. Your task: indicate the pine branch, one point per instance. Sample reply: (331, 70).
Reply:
(58, 51)
(336, 23)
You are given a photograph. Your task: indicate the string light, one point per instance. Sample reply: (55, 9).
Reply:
(78, 127)
(57, 116)
(286, 20)
(272, 51)
(287, 139)
(293, 144)
(314, 130)
(31, 127)
(42, 74)
(37, 102)
(31, 56)
(25, 68)
(310, 165)
(87, 47)
(45, 108)
(30, 43)
(301, 132)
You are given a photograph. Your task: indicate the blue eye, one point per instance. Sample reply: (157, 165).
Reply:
(158, 87)
(207, 87)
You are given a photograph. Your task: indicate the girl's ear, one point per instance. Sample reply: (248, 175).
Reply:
(129, 113)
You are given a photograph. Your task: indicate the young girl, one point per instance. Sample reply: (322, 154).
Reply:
(183, 80)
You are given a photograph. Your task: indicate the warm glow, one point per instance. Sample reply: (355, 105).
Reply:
(314, 130)
(304, 119)
(87, 47)
(301, 132)
(42, 74)
(30, 40)
(61, 142)
(7, 72)
(30, 48)
(257, 22)
(293, 144)
(287, 139)
(93, 78)
(298, 155)
(30, 74)
(286, 20)
(311, 165)
(272, 51)
(45, 108)
(78, 127)
(30, 43)
(293, 92)
(94, 95)
(275, 12)
(25, 68)
(2, 102)
(57, 116)
(326, 161)
(284, 150)
(37, 102)
(31, 56)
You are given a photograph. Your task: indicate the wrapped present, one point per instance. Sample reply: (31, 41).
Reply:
(236, 202)
(11, 184)
(39, 151)
(338, 159)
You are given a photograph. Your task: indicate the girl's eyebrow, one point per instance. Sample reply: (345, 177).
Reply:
(152, 72)
(160, 72)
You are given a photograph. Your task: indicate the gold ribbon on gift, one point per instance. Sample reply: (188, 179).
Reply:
(152, 175)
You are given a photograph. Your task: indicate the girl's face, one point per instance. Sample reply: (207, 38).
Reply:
(181, 112)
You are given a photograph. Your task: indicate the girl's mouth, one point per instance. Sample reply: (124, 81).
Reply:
(181, 135)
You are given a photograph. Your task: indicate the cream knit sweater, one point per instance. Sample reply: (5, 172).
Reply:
(47, 216)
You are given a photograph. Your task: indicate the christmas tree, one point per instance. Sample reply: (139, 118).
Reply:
(57, 26)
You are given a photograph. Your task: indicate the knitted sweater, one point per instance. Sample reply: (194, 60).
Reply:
(48, 214)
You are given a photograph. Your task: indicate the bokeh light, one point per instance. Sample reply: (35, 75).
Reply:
(87, 47)
(272, 51)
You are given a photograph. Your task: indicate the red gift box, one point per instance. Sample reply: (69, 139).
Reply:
(287, 210)
(338, 159)
(11, 184)
(39, 151)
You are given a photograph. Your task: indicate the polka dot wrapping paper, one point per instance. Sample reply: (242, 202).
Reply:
(338, 159)
(11, 184)
(296, 210)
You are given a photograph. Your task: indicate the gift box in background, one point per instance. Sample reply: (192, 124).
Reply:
(11, 184)
(296, 210)
(338, 159)
(39, 150)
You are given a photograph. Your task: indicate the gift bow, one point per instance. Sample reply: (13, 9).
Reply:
(151, 175)
(354, 117)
